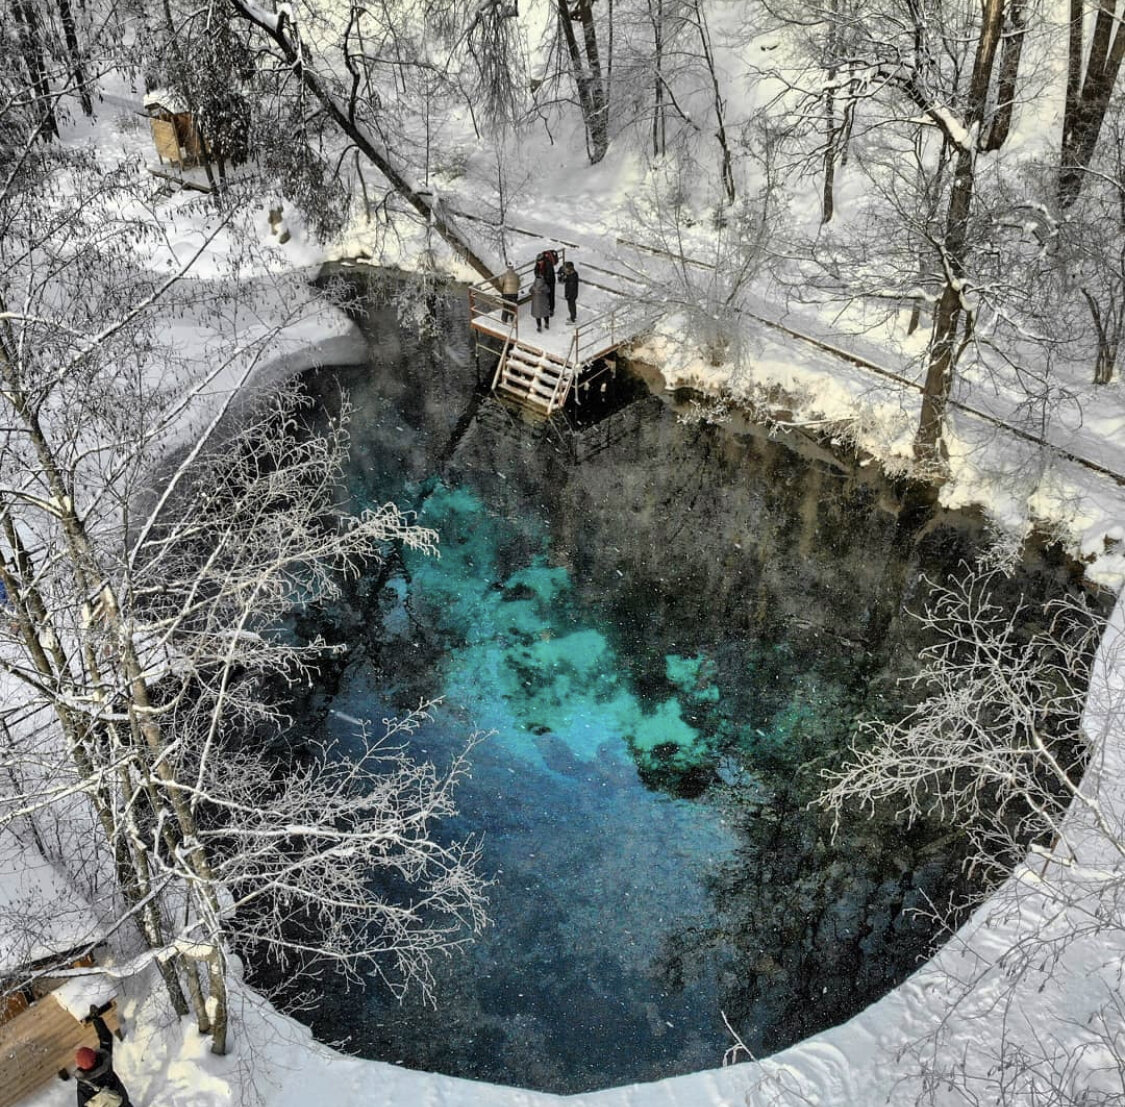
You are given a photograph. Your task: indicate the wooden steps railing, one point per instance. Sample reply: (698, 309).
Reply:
(533, 377)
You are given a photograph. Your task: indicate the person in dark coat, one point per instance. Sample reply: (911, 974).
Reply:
(540, 304)
(545, 268)
(94, 1067)
(568, 278)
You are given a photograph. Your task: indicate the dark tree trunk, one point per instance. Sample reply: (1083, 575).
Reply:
(585, 63)
(828, 191)
(1109, 332)
(70, 32)
(659, 133)
(31, 47)
(1014, 32)
(944, 347)
(1088, 96)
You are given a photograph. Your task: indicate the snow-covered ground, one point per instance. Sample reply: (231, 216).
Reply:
(978, 996)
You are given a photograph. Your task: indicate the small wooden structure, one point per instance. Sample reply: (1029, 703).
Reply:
(174, 132)
(541, 370)
(39, 1044)
(45, 930)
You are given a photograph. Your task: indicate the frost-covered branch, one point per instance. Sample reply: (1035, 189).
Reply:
(994, 743)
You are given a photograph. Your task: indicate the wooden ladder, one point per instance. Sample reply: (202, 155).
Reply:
(533, 377)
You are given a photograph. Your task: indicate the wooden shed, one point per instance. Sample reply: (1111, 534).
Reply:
(174, 131)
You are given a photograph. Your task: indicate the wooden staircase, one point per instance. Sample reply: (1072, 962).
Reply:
(533, 377)
(541, 380)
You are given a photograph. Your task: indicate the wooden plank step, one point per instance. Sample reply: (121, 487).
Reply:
(528, 379)
(532, 396)
(530, 391)
(529, 384)
(553, 368)
(522, 376)
(39, 1042)
(540, 407)
(537, 355)
(547, 372)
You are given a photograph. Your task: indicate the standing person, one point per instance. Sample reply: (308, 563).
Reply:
(510, 290)
(545, 268)
(94, 1067)
(568, 276)
(541, 303)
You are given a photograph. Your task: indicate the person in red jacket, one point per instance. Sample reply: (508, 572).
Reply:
(545, 268)
(94, 1067)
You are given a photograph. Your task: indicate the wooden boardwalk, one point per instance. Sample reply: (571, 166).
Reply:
(540, 369)
(39, 1042)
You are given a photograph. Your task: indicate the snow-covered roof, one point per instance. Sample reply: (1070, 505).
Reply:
(40, 912)
(167, 99)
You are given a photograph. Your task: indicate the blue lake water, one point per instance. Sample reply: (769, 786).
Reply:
(668, 627)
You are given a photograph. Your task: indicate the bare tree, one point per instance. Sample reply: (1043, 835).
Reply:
(698, 18)
(697, 262)
(146, 596)
(1007, 743)
(995, 743)
(958, 78)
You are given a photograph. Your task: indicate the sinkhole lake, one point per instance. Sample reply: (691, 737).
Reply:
(671, 627)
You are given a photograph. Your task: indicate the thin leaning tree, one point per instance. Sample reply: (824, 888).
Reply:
(149, 554)
(357, 77)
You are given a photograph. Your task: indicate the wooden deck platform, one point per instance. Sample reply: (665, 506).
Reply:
(39, 1042)
(540, 369)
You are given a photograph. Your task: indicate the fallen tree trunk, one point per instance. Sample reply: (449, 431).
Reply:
(278, 29)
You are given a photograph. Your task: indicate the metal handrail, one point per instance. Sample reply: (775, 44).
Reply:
(614, 316)
(567, 375)
(500, 362)
(489, 283)
(496, 303)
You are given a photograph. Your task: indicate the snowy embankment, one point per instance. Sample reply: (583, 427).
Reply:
(1023, 979)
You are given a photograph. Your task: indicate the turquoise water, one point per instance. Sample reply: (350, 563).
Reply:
(669, 629)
